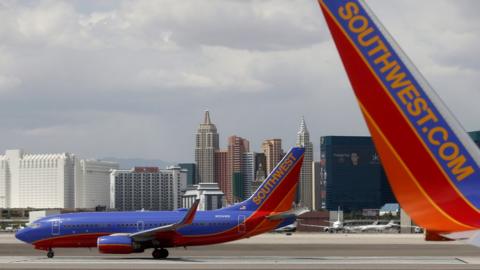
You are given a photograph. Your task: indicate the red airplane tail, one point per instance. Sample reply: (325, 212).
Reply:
(277, 192)
(431, 162)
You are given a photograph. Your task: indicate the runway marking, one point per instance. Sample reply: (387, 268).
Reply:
(231, 260)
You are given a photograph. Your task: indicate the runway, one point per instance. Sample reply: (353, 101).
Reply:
(270, 251)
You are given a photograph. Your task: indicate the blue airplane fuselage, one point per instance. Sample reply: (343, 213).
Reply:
(126, 232)
(83, 229)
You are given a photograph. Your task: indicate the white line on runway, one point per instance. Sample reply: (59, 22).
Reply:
(232, 260)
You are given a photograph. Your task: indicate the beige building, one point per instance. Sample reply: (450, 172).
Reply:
(92, 183)
(222, 175)
(205, 146)
(272, 148)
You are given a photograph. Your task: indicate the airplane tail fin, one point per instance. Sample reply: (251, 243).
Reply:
(277, 192)
(431, 162)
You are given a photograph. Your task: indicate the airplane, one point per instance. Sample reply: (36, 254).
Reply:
(433, 166)
(339, 226)
(375, 226)
(335, 227)
(267, 209)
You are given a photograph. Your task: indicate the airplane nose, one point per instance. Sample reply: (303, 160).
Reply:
(22, 235)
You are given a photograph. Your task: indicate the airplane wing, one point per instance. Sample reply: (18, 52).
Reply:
(288, 214)
(150, 233)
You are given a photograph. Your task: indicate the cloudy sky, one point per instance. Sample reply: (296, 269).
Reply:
(132, 78)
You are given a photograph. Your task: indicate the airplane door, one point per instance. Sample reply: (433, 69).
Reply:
(55, 227)
(241, 224)
(140, 225)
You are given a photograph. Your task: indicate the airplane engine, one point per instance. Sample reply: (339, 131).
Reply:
(117, 244)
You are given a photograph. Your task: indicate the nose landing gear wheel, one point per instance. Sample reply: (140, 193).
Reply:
(50, 253)
(160, 253)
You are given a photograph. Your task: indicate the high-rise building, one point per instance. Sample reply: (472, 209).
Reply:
(147, 188)
(92, 183)
(272, 148)
(352, 175)
(260, 174)
(305, 187)
(191, 172)
(355, 179)
(237, 187)
(205, 146)
(236, 147)
(475, 135)
(4, 183)
(223, 175)
(318, 196)
(36, 180)
(248, 172)
(260, 163)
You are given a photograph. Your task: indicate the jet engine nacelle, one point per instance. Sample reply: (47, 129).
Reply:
(117, 244)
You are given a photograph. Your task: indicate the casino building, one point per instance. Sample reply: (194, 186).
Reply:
(147, 188)
(354, 176)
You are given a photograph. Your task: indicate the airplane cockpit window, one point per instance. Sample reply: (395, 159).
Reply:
(34, 225)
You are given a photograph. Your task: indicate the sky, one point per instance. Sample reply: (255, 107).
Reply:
(133, 78)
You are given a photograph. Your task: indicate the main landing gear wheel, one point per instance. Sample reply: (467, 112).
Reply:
(50, 253)
(160, 253)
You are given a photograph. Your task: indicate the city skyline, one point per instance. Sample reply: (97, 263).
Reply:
(128, 78)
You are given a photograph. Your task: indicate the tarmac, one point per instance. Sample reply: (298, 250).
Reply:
(268, 251)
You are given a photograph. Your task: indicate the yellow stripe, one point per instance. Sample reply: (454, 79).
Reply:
(400, 110)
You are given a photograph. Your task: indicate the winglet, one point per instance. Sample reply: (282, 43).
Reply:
(188, 219)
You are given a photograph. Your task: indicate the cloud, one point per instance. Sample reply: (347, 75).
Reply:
(8, 83)
(132, 78)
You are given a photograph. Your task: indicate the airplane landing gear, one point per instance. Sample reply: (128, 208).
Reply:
(50, 253)
(160, 253)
